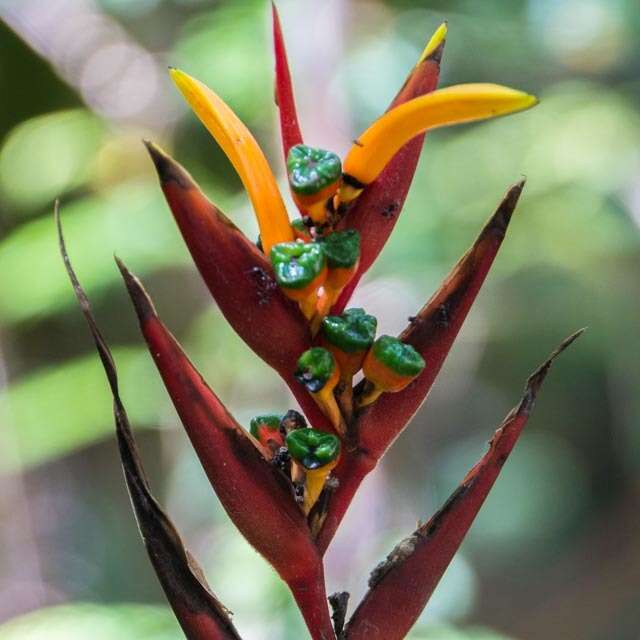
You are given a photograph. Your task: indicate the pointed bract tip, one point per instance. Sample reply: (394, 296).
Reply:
(167, 168)
(515, 190)
(182, 80)
(179, 77)
(520, 184)
(537, 377)
(434, 47)
(158, 156)
(140, 298)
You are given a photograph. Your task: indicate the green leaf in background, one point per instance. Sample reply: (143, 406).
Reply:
(57, 410)
(80, 621)
(131, 220)
(46, 156)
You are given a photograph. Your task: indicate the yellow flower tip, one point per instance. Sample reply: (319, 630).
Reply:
(454, 105)
(178, 76)
(436, 40)
(245, 155)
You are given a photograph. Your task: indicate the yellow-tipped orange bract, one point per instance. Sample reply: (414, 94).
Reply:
(453, 105)
(436, 40)
(244, 153)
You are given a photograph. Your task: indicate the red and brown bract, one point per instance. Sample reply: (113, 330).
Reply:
(257, 486)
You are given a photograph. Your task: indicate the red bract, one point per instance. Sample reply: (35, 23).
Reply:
(400, 587)
(237, 469)
(288, 493)
(432, 332)
(200, 614)
(289, 127)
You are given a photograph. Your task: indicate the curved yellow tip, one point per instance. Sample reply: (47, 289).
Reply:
(314, 484)
(453, 105)
(245, 155)
(436, 40)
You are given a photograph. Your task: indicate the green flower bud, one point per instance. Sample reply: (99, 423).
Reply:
(313, 448)
(353, 331)
(296, 264)
(315, 367)
(398, 356)
(271, 421)
(342, 249)
(312, 170)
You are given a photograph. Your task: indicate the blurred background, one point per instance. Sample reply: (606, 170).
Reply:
(555, 552)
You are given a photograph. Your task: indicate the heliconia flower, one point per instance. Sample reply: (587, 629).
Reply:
(390, 365)
(318, 454)
(373, 150)
(266, 430)
(319, 373)
(314, 175)
(300, 270)
(287, 486)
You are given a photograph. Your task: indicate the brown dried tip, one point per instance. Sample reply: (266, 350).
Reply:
(389, 609)
(535, 380)
(168, 170)
(339, 602)
(142, 303)
(200, 614)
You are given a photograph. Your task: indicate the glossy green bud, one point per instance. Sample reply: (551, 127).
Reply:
(315, 367)
(313, 448)
(342, 249)
(296, 264)
(398, 356)
(350, 332)
(312, 170)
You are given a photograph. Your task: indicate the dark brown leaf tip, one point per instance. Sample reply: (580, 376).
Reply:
(140, 298)
(339, 602)
(180, 575)
(168, 169)
(537, 377)
(500, 219)
(85, 306)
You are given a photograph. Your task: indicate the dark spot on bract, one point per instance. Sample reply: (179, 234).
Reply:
(264, 283)
(390, 210)
(443, 315)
